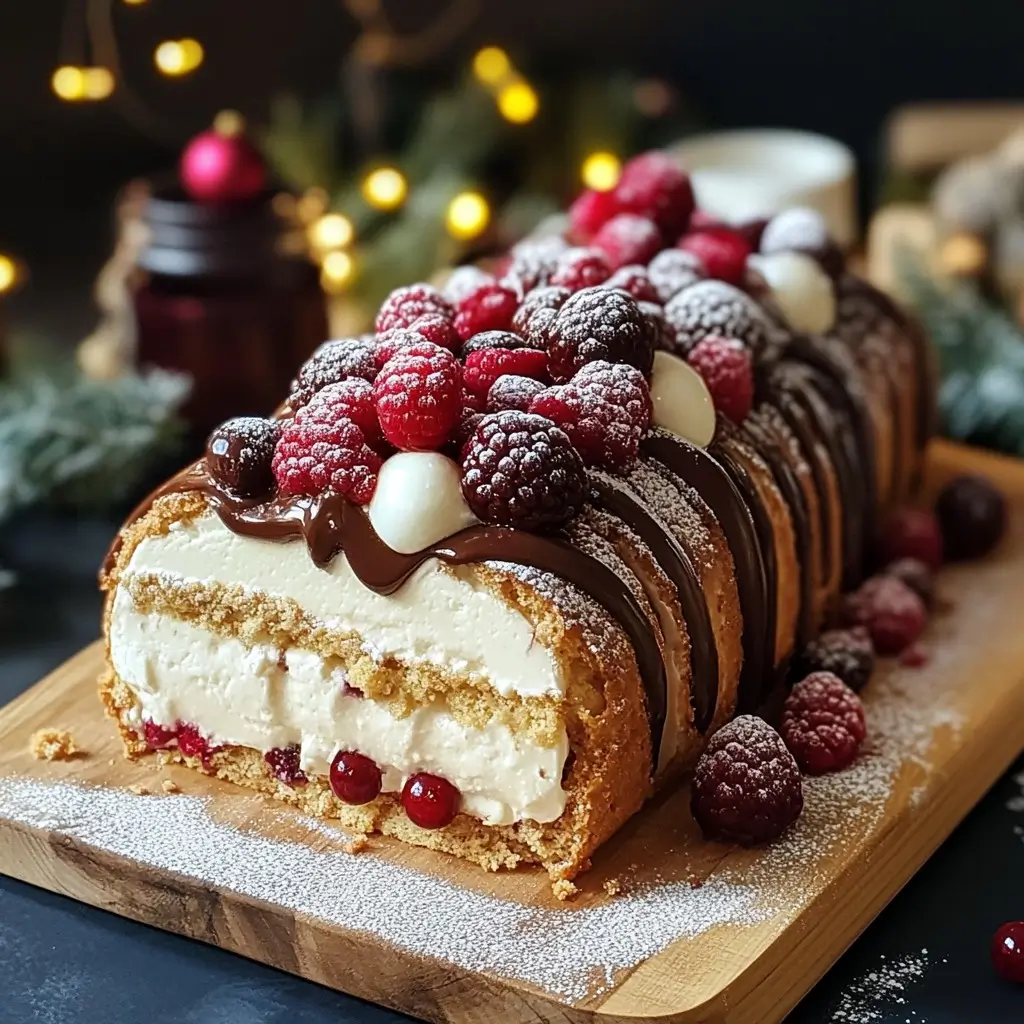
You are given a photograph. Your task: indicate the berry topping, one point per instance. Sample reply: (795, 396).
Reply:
(654, 186)
(520, 469)
(332, 362)
(915, 656)
(390, 343)
(598, 323)
(823, 724)
(191, 741)
(701, 220)
(472, 402)
(916, 575)
(419, 397)
(846, 653)
(658, 326)
(627, 238)
(715, 307)
(635, 280)
(495, 339)
(323, 448)
(354, 777)
(404, 305)
(672, 270)
(239, 454)
(284, 763)
(723, 252)
(972, 514)
(156, 736)
(463, 281)
(511, 391)
(489, 308)
(486, 365)
(536, 314)
(728, 372)
(430, 801)
(606, 411)
(1007, 951)
(580, 268)
(437, 328)
(532, 261)
(892, 613)
(912, 533)
(746, 786)
(803, 230)
(589, 212)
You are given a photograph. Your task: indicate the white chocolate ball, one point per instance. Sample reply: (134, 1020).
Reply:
(801, 288)
(418, 501)
(681, 400)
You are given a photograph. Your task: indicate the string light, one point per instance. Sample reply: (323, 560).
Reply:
(8, 273)
(133, 3)
(518, 102)
(311, 205)
(99, 83)
(491, 65)
(385, 188)
(336, 271)
(601, 171)
(176, 57)
(468, 215)
(68, 83)
(331, 231)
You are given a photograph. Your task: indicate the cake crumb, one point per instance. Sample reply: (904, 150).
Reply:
(170, 786)
(140, 790)
(112, 763)
(564, 889)
(613, 886)
(54, 745)
(356, 845)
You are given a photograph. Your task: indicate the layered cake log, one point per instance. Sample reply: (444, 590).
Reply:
(493, 574)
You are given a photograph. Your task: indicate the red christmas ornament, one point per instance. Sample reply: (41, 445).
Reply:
(221, 165)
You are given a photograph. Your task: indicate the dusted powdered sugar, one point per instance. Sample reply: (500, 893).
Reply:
(881, 994)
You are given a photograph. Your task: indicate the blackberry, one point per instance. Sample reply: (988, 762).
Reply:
(846, 653)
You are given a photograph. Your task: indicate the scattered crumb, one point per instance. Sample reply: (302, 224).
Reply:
(140, 790)
(356, 845)
(53, 745)
(170, 786)
(613, 886)
(564, 889)
(112, 763)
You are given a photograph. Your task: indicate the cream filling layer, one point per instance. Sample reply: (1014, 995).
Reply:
(262, 697)
(441, 617)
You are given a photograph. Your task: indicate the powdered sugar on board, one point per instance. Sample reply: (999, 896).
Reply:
(882, 994)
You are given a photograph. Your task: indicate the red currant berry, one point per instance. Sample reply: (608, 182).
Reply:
(430, 801)
(355, 778)
(1008, 951)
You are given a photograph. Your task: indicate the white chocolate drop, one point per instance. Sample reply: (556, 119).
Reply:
(802, 289)
(681, 400)
(418, 501)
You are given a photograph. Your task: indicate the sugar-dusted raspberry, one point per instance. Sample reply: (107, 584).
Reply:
(390, 343)
(728, 371)
(284, 763)
(239, 454)
(701, 220)
(404, 305)
(464, 281)
(635, 280)
(891, 612)
(430, 801)
(323, 448)
(912, 533)
(589, 212)
(654, 186)
(716, 307)
(973, 515)
(658, 326)
(847, 653)
(437, 328)
(531, 263)
(722, 251)
(628, 238)
(332, 362)
(353, 399)
(606, 411)
(495, 339)
(802, 229)
(419, 397)
(158, 737)
(746, 786)
(536, 314)
(598, 323)
(520, 469)
(581, 268)
(489, 308)
(511, 391)
(472, 402)
(486, 365)
(672, 270)
(823, 724)
(916, 575)
(468, 422)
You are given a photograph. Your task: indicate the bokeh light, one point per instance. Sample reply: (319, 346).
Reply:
(69, 82)
(518, 102)
(331, 231)
(491, 65)
(385, 188)
(467, 216)
(601, 171)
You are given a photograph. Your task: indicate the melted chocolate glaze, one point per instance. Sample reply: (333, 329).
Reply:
(676, 563)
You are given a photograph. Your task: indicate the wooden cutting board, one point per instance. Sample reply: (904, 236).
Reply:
(694, 931)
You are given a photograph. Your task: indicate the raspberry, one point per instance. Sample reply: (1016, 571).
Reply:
(729, 374)
(672, 270)
(321, 447)
(239, 454)
(419, 397)
(464, 281)
(598, 323)
(589, 212)
(722, 251)
(653, 186)
(472, 402)
(802, 229)
(430, 801)
(494, 339)
(916, 575)
(531, 263)
(332, 362)
(892, 613)
(746, 786)
(715, 307)
(823, 724)
(912, 533)
(701, 220)
(519, 469)
(404, 305)
(354, 777)
(511, 391)
(581, 268)
(156, 736)
(486, 365)
(846, 653)
(437, 328)
(657, 325)
(468, 422)
(390, 343)
(489, 308)
(973, 516)
(353, 400)
(284, 762)
(606, 411)
(191, 741)
(635, 280)
(627, 238)
(537, 313)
